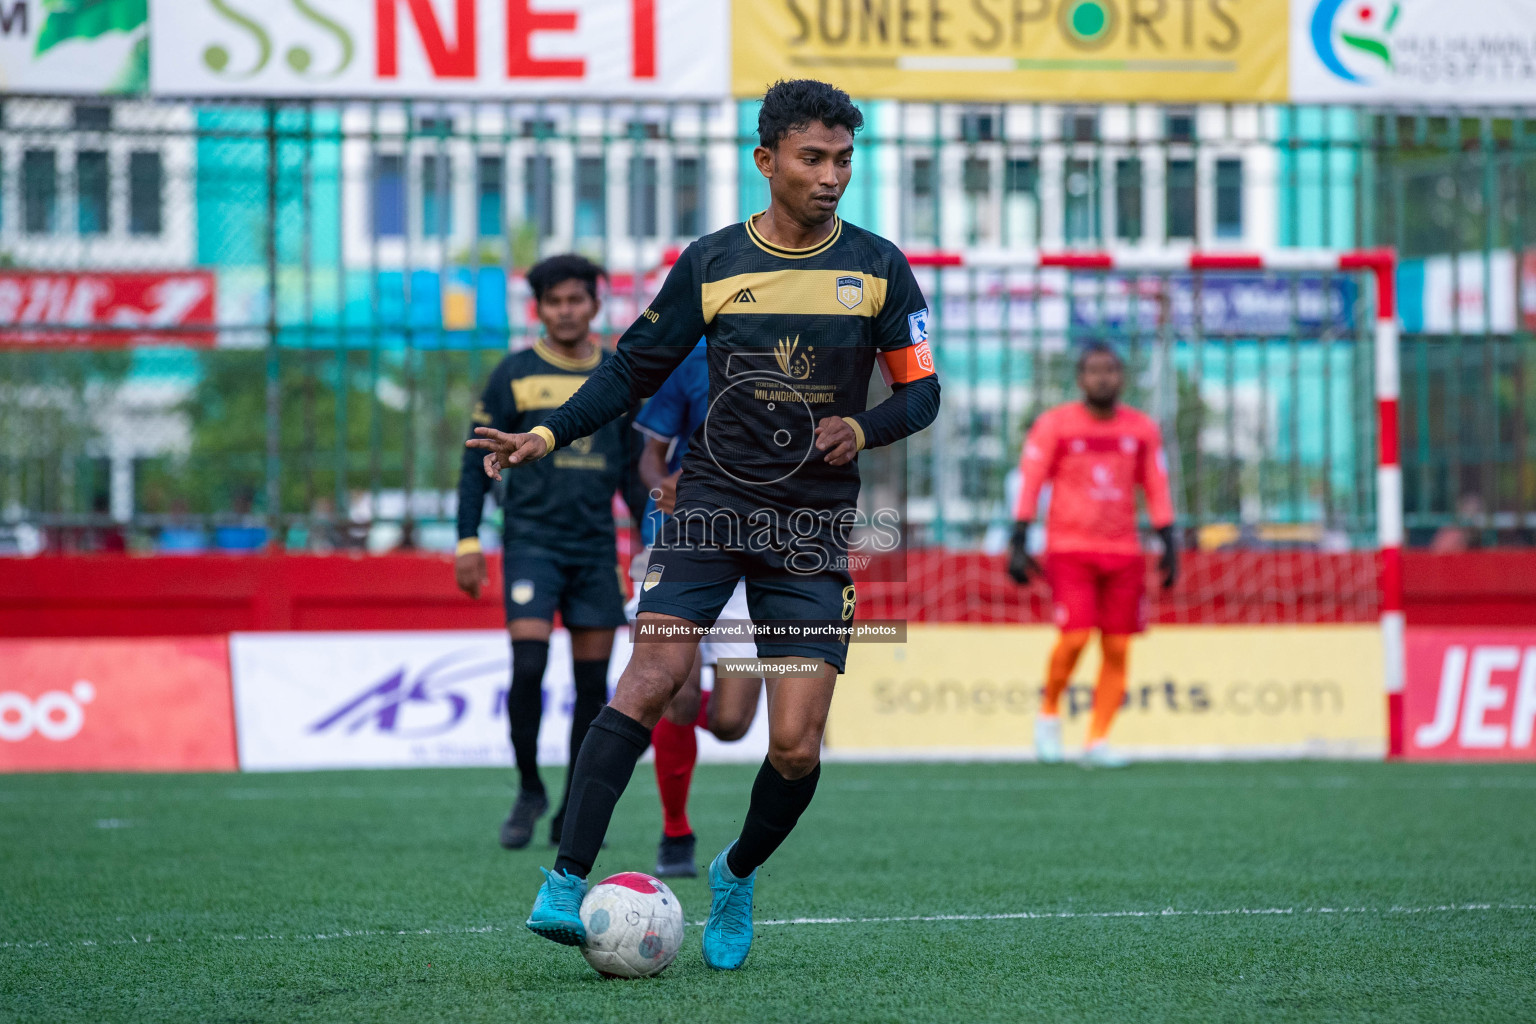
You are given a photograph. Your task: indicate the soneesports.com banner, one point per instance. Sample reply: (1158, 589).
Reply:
(1009, 50)
(1193, 691)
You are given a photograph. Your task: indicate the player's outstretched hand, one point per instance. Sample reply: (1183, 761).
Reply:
(504, 450)
(1168, 565)
(1022, 566)
(469, 573)
(835, 437)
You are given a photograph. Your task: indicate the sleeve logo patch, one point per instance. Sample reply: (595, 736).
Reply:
(850, 291)
(924, 356)
(917, 327)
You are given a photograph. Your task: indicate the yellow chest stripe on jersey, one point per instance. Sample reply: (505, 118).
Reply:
(814, 292)
(545, 390)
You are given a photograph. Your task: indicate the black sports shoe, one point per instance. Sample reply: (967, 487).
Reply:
(674, 857)
(517, 830)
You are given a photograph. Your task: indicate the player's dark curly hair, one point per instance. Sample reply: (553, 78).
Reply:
(1095, 348)
(794, 105)
(570, 266)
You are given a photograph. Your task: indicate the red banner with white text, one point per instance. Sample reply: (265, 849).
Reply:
(1471, 695)
(106, 309)
(137, 704)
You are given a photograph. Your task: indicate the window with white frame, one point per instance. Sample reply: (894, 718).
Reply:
(1021, 201)
(95, 183)
(688, 196)
(1229, 198)
(388, 195)
(1128, 198)
(1179, 199)
(490, 187)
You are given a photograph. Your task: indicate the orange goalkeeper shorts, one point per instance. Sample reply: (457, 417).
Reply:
(1107, 592)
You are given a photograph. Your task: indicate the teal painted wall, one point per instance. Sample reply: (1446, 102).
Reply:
(1321, 168)
(232, 193)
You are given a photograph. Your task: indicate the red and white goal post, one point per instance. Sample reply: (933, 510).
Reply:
(1375, 269)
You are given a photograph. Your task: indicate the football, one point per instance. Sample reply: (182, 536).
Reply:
(634, 926)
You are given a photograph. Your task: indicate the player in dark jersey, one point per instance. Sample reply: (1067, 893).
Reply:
(796, 307)
(558, 531)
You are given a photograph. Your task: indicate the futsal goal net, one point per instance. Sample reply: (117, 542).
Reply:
(1273, 377)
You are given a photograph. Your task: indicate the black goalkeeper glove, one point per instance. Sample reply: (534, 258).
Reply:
(1168, 565)
(1021, 567)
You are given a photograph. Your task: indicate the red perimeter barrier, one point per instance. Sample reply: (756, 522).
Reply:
(124, 595)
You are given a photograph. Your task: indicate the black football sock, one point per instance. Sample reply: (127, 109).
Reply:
(607, 760)
(591, 695)
(525, 706)
(776, 806)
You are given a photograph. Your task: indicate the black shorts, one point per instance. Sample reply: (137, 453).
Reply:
(535, 586)
(696, 563)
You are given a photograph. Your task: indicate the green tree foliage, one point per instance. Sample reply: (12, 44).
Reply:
(49, 399)
(357, 423)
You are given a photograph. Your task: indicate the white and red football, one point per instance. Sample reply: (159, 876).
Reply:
(634, 925)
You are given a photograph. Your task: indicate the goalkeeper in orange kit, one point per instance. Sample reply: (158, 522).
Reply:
(1094, 453)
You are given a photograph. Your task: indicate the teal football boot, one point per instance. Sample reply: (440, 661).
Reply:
(728, 932)
(557, 909)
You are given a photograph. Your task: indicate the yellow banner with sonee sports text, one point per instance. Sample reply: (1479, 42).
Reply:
(1011, 50)
(1193, 691)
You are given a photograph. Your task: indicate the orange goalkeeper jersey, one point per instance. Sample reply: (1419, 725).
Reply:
(1094, 466)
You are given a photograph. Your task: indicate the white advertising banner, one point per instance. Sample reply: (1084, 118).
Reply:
(1470, 293)
(492, 49)
(397, 700)
(1422, 52)
(50, 47)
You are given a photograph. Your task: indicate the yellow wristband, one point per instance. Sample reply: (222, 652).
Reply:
(548, 436)
(858, 432)
(467, 546)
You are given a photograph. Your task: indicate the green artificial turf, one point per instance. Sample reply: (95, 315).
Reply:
(1295, 891)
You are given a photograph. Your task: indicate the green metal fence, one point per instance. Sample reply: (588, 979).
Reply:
(365, 262)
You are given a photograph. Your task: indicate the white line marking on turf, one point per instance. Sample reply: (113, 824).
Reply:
(1072, 782)
(1023, 915)
(1054, 915)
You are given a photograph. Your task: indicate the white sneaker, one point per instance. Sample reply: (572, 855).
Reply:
(1048, 739)
(1101, 755)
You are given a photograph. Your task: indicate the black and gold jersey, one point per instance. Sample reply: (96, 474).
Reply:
(563, 505)
(793, 336)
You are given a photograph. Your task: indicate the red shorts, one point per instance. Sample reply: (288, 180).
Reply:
(1108, 592)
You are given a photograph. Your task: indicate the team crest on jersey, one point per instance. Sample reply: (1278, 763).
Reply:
(653, 577)
(850, 291)
(917, 328)
(582, 445)
(522, 591)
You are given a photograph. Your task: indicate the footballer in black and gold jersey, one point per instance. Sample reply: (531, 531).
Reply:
(796, 307)
(558, 550)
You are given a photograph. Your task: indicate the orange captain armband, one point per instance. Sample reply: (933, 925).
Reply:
(905, 365)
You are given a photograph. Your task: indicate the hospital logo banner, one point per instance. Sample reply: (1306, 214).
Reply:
(1446, 52)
